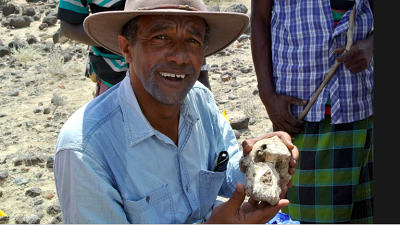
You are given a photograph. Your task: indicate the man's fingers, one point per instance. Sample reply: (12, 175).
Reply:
(237, 198)
(346, 56)
(292, 170)
(356, 65)
(283, 191)
(266, 213)
(339, 50)
(300, 102)
(253, 201)
(290, 184)
(285, 137)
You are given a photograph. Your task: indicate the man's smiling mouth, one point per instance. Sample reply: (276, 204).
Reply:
(167, 75)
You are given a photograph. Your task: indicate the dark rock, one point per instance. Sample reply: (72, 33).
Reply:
(235, 83)
(36, 17)
(37, 110)
(4, 219)
(33, 192)
(57, 219)
(46, 110)
(52, 13)
(16, 44)
(245, 70)
(9, 9)
(33, 160)
(43, 26)
(18, 162)
(38, 201)
(237, 8)
(3, 174)
(252, 121)
(31, 39)
(13, 93)
(243, 37)
(29, 83)
(67, 57)
(221, 53)
(53, 209)
(30, 11)
(20, 181)
(222, 101)
(20, 21)
(241, 122)
(50, 162)
(232, 97)
(34, 219)
(50, 20)
(19, 219)
(58, 37)
(49, 47)
(4, 50)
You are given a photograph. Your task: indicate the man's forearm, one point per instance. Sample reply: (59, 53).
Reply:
(76, 31)
(261, 45)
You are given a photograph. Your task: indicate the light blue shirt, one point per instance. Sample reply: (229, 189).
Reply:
(111, 166)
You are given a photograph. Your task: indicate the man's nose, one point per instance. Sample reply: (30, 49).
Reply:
(178, 54)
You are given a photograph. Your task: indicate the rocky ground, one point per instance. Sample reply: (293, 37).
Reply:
(42, 84)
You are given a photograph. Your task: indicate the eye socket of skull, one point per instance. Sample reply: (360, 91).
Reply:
(261, 154)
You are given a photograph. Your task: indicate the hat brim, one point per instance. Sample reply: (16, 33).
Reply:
(225, 27)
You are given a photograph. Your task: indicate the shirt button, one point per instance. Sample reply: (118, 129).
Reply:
(147, 199)
(187, 188)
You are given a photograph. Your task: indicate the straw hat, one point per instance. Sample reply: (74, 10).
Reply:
(225, 27)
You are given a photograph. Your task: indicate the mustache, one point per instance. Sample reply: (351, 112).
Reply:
(186, 69)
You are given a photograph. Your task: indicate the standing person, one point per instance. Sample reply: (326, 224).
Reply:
(148, 149)
(105, 68)
(294, 43)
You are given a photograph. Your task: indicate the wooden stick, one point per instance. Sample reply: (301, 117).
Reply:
(335, 65)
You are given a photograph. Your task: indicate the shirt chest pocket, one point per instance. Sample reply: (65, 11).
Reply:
(155, 207)
(210, 184)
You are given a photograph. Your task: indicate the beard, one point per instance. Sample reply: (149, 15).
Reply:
(171, 98)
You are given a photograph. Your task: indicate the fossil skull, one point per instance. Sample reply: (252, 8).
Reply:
(266, 168)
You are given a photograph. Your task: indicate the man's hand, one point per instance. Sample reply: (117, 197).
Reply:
(278, 109)
(235, 211)
(287, 140)
(359, 56)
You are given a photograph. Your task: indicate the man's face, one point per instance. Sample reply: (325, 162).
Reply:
(167, 56)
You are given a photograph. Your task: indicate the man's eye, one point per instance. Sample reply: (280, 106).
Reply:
(193, 40)
(160, 37)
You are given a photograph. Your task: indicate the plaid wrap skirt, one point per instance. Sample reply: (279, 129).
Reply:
(334, 179)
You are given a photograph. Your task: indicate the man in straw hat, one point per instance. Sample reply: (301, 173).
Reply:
(149, 149)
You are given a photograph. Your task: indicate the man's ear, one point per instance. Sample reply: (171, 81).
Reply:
(124, 47)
